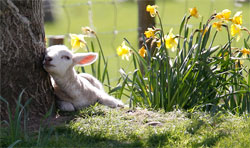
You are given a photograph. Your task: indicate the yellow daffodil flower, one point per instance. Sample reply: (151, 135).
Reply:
(149, 33)
(236, 30)
(142, 52)
(217, 25)
(123, 51)
(171, 41)
(152, 10)
(245, 52)
(224, 15)
(193, 12)
(237, 19)
(77, 41)
(158, 43)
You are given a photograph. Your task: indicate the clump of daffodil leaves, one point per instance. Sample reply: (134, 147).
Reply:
(200, 75)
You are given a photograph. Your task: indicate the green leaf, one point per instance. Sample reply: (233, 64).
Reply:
(182, 24)
(105, 71)
(206, 37)
(14, 143)
(246, 45)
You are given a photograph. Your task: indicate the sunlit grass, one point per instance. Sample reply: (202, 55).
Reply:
(101, 126)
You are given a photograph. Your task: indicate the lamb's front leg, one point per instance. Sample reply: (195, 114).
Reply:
(110, 101)
(63, 100)
(65, 106)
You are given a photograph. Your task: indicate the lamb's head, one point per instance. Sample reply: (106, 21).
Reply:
(59, 59)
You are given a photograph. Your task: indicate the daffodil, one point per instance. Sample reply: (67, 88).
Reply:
(245, 52)
(171, 41)
(152, 10)
(142, 52)
(123, 51)
(224, 15)
(77, 41)
(149, 33)
(193, 12)
(217, 25)
(236, 30)
(158, 43)
(88, 31)
(237, 19)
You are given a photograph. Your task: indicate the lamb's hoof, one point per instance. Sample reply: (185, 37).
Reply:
(65, 106)
(121, 105)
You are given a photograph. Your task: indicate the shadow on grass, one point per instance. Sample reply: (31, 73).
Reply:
(66, 137)
(195, 126)
(210, 140)
(163, 139)
(84, 113)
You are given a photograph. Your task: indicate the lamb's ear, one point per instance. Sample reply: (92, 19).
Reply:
(84, 58)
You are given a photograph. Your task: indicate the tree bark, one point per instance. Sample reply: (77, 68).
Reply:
(144, 22)
(48, 10)
(22, 50)
(144, 19)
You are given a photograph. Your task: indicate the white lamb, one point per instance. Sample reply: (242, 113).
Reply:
(75, 91)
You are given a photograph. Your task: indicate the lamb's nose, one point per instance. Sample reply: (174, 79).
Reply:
(48, 59)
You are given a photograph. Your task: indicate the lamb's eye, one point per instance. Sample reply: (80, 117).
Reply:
(65, 57)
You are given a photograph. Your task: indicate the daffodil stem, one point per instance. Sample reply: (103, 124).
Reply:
(162, 31)
(99, 44)
(213, 39)
(232, 66)
(229, 42)
(185, 27)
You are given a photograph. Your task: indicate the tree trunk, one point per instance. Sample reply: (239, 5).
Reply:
(48, 10)
(144, 19)
(22, 49)
(144, 22)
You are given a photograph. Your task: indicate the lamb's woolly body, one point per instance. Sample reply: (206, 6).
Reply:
(74, 90)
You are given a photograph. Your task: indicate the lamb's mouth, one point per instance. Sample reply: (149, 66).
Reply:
(48, 65)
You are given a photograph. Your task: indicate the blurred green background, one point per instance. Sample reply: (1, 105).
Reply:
(114, 20)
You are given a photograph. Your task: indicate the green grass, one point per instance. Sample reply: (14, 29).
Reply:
(104, 127)
(101, 126)
(125, 13)
(16, 124)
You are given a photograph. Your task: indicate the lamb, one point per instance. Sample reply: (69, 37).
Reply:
(75, 91)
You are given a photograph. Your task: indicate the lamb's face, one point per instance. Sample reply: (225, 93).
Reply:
(58, 59)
